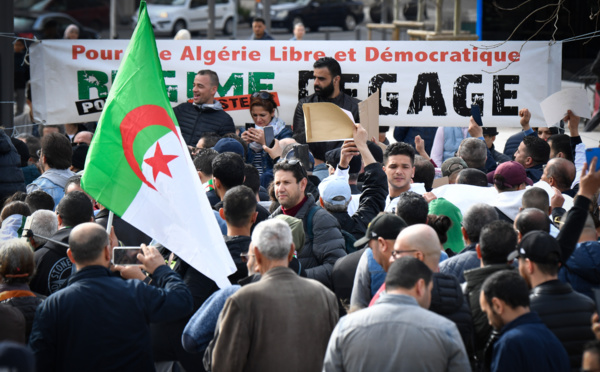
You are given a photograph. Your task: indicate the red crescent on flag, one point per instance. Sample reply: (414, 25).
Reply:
(133, 123)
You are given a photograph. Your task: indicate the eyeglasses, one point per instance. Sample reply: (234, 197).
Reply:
(395, 254)
(244, 257)
(262, 95)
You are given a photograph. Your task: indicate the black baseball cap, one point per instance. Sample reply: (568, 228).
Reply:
(384, 225)
(539, 247)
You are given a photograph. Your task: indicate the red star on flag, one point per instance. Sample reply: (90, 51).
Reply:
(159, 162)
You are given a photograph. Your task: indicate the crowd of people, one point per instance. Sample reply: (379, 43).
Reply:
(347, 257)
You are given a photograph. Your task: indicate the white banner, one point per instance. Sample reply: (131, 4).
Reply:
(421, 83)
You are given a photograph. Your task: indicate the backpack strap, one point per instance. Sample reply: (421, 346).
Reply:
(309, 221)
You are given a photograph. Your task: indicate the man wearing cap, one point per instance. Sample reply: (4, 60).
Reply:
(451, 167)
(508, 177)
(525, 343)
(489, 135)
(380, 237)
(565, 312)
(336, 192)
(204, 114)
(229, 145)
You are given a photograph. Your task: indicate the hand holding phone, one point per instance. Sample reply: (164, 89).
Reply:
(269, 136)
(126, 256)
(250, 125)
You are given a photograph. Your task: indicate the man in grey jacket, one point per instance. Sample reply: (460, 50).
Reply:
(324, 241)
(398, 333)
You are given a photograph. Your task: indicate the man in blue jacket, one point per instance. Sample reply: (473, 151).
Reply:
(99, 321)
(525, 343)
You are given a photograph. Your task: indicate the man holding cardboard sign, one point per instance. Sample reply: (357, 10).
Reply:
(328, 75)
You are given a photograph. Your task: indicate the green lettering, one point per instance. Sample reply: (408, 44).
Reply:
(88, 79)
(235, 81)
(255, 84)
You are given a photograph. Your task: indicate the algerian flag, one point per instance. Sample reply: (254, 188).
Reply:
(138, 165)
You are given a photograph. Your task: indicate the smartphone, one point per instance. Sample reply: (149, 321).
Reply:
(476, 114)
(301, 153)
(250, 125)
(589, 155)
(126, 256)
(269, 136)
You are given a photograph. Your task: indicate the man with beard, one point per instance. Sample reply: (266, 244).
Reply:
(328, 75)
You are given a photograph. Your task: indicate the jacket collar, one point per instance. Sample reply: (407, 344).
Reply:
(552, 287)
(528, 318)
(277, 273)
(396, 299)
(87, 272)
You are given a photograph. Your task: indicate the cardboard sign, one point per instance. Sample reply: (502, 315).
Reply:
(325, 121)
(368, 111)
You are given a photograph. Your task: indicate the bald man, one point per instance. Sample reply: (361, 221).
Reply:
(560, 173)
(110, 308)
(422, 242)
(83, 137)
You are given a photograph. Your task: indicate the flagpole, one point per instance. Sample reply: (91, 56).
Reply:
(109, 222)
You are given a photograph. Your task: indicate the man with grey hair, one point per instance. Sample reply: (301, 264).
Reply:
(282, 322)
(44, 224)
(111, 309)
(473, 221)
(474, 152)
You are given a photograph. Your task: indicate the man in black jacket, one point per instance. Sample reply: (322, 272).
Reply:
(565, 312)
(204, 114)
(328, 75)
(52, 266)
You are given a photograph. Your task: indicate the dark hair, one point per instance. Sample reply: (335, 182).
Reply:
(537, 149)
(266, 103)
(259, 19)
(228, 167)
(405, 272)
(17, 264)
(508, 286)
(500, 183)
(15, 207)
(239, 139)
(399, 148)
(73, 180)
(89, 246)
(424, 172)
(239, 204)
(561, 143)
(472, 176)
(214, 78)
(532, 219)
(39, 199)
(536, 197)
(318, 149)
(17, 196)
(203, 161)
(252, 179)
(592, 347)
(412, 208)
(497, 240)
(557, 169)
(331, 64)
(210, 139)
(22, 149)
(296, 168)
(58, 151)
(476, 217)
(33, 144)
(75, 208)
(441, 224)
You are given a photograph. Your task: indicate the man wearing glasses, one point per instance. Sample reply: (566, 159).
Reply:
(204, 114)
(324, 241)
